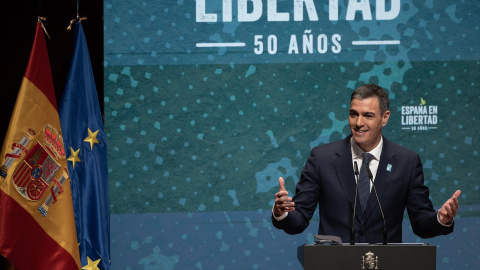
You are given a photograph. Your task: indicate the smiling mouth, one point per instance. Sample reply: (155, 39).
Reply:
(360, 131)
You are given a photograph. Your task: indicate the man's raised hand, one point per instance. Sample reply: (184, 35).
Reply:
(449, 208)
(283, 203)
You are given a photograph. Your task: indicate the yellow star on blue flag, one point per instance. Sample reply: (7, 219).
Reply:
(92, 138)
(91, 265)
(74, 157)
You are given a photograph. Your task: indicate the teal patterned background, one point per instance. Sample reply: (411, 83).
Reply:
(198, 137)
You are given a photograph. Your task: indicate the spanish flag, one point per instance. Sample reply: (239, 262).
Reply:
(37, 224)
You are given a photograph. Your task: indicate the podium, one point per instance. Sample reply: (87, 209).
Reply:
(368, 256)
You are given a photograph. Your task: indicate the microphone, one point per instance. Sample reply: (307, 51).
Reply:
(352, 234)
(370, 175)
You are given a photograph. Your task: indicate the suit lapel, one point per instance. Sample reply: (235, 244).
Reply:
(346, 176)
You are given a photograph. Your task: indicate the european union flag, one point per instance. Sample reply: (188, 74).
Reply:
(86, 151)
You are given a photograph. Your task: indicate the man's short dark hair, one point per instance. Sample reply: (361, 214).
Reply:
(372, 90)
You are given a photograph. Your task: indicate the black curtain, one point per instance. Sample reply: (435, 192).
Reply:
(17, 34)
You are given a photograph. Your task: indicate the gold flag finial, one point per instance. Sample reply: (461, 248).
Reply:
(41, 20)
(79, 19)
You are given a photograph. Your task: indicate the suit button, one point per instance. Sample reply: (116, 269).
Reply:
(362, 233)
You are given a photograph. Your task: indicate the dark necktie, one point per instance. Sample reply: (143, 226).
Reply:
(364, 182)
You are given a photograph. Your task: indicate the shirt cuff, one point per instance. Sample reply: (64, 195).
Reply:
(280, 217)
(448, 225)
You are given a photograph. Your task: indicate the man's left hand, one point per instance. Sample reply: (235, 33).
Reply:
(449, 209)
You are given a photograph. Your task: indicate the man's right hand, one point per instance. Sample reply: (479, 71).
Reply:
(283, 203)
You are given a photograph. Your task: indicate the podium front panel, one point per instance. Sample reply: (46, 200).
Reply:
(382, 257)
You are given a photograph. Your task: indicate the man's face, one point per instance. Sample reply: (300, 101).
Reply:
(366, 122)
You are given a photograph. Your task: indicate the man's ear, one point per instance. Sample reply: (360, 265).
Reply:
(385, 117)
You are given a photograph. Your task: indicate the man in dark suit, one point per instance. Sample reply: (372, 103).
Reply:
(396, 173)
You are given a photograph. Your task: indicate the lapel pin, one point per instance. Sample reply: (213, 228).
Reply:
(389, 167)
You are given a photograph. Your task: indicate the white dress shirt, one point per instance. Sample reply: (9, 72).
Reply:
(357, 155)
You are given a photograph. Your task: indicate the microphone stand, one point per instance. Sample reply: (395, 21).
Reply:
(370, 175)
(352, 233)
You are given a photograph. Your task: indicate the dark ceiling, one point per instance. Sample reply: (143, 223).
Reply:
(18, 20)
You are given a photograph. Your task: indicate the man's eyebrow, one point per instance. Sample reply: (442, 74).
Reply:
(352, 111)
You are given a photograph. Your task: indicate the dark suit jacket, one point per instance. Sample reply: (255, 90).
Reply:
(328, 180)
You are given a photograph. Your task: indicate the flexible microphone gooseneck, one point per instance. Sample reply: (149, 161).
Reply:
(352, 234)
(370, 175)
